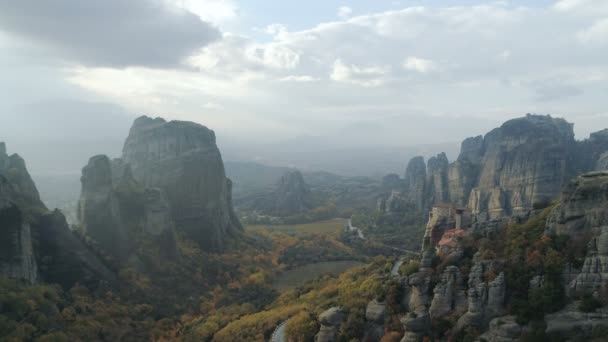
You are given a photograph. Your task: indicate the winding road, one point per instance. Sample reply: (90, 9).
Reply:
(279, 333)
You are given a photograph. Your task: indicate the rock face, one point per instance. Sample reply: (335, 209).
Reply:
(437, 187)
(19, 199)
(64, 258)
(449, 294)
(292, 195)
(583, 206)
(503, 329)
(594, 272)
(485, 298)
(415, 182)
(330, 324)
(573, 325)
(113, 207)
(36, 244)
(508, 172)
(523, 165)
(182, 159)
(602, 162)
(99, 209)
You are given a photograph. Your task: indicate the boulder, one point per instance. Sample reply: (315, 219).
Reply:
(503, 329)
(375, 312)
(574, 325)
(183, 160)
(330, 320)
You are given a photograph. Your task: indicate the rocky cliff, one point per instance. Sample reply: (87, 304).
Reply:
(183, 160)
(292, 195)
(114, 209)
(35, 244)
(511, 170)
(582, 207)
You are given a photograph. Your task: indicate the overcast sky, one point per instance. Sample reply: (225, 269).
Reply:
(363, 72)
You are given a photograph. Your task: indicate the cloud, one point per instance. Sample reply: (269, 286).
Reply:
(482, 61)
(114, 33)
(344, 12)
(303, 78)
(363, 76)
(597, 33)
(419, 64)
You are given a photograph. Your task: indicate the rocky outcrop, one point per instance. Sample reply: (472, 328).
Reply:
(594, 273)
(524, 165)
(64, 258)
(19, 202)
(437, 186)
(511, 170)
(113, 208)
(503, 329)
(99, 209)
(485, 297)
(16, 249)
(35, 244)
(449, 294)
(375, 314)
(391, 182)
(183, 160)
(602, 162)
(583, 206)
(292, 195)
(330, 325)
(415, 182)
(572, 325)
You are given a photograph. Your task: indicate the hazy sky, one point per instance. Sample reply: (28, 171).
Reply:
(364, 71)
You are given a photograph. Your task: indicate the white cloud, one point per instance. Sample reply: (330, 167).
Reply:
(372, 76)
(419, 64)
(484, 61)
(302, 78)
(218, 12)
(344, 12)
(597, 33)
(589, 7)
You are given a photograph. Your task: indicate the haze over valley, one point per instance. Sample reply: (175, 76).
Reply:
(321, 171)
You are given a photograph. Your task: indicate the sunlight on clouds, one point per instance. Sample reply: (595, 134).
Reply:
(419, 64)
(363, 76)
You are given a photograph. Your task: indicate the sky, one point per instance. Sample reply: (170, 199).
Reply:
(328, 74)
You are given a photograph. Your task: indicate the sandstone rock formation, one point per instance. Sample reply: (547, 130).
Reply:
(99, 209)
(183, 160)
(602, 162)
(437, 186)
(391, 182)
(503, 329)
(583, 206)
(594, 273)
(523, 165)
(292, 195)
(572, 325)
(415, 182)
(35, 244)
(449, 294)
(511, 170)
(330, 324)
(485, 298)
(113, 208)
